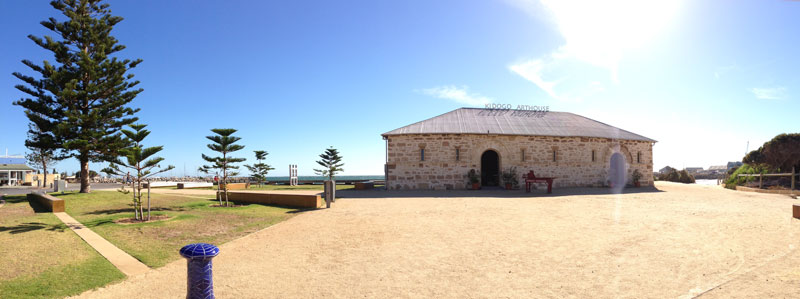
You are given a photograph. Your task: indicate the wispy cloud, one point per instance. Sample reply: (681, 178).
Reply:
(460, 94)
(533, 70)
(774, 93)
(596, 34)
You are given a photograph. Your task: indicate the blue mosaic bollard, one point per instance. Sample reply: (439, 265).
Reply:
(200, 283)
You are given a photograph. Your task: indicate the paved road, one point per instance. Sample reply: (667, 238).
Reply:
(70, 187)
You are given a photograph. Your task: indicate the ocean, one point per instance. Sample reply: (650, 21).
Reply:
(322, 178)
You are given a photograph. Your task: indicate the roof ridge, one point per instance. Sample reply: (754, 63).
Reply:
(615, 127)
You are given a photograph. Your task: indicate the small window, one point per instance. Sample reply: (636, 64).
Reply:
(523, 155)
(554, 155)
(458, 154)
(422, 154)
(594, 158)
(639, 157)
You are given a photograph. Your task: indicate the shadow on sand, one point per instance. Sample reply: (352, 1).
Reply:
(488, 192)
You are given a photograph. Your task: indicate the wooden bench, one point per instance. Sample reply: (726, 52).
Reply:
(531, 178)
(365, 185)
(52, 203)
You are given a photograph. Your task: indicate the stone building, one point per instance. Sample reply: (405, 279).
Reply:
(437, 153)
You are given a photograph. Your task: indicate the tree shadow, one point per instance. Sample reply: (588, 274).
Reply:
(14, 198)
(32, 226)
(130, 210)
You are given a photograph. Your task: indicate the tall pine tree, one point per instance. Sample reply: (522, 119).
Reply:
(81, 99)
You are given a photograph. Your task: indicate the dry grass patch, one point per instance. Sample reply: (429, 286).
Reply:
(189, 220)
(39, 251)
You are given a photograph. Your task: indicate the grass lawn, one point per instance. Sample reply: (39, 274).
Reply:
(42, 258)
(287, 187)
(191, 221)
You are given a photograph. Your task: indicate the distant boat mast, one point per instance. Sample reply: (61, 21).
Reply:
(747, 149)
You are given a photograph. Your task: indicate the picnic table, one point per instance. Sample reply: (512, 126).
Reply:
(531, 178)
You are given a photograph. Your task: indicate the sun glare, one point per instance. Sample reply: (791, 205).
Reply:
(600, 31)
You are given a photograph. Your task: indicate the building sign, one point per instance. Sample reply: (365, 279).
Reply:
(518, 110)
(518, 107)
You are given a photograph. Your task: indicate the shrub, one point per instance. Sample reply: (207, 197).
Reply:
(685, 177)
(677, 176)
(779, 154)
(734, 180)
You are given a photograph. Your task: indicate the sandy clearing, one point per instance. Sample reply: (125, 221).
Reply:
(682, 241)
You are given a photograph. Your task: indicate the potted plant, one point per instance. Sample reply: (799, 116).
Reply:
(474, 177)
(636, 176)
(510, 178)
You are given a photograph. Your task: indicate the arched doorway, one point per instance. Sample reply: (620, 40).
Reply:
(617, 171)
(490, 168)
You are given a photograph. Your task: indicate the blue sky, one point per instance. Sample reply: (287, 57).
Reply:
(701, 77)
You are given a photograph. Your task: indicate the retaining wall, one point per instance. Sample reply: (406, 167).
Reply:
(289, 200)
(52, 203)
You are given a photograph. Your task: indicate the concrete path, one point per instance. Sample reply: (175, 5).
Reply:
(123, 261)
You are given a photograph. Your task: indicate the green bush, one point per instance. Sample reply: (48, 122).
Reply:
(734, 180)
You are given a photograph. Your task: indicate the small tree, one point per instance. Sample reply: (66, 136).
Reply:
(224, 143)
(331, 163)
(140, 159)
(260, 169)
(43, 148)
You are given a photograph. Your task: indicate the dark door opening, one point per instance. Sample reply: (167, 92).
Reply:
(490, 168)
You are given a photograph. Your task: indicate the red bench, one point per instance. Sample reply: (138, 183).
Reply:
(531, 178)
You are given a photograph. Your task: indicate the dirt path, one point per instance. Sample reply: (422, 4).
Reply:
(684, 241)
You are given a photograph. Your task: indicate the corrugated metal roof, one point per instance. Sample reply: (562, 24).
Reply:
(14, 167)
(515, 122)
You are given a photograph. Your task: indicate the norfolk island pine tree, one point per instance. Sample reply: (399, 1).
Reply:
(260, 169)
(224, 143)
(140, 159)
(81, 100)
(331, 163)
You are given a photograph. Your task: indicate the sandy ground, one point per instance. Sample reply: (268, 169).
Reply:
(678, 241)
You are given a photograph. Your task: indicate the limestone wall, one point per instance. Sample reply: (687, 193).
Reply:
(573, 165)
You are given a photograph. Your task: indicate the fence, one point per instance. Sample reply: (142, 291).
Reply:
(761, 176)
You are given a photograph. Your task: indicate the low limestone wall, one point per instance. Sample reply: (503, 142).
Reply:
(160, 184)
(236, 186)
(289, 200)
(52, 203)
(194, 185)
